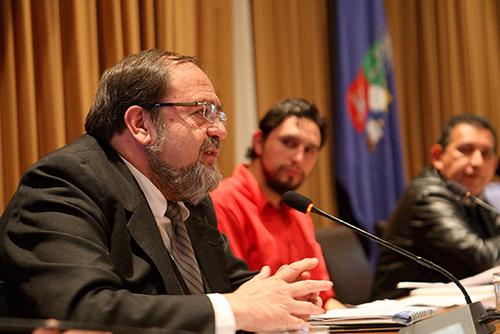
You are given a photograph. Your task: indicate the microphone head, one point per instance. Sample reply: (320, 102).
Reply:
(297, 201)
(457, 188)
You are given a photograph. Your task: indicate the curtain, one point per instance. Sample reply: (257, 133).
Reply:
(447, 61)
(291, 60)
(53, 52)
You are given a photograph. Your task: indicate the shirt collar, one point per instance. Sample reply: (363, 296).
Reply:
(255, 191)
(156, 201)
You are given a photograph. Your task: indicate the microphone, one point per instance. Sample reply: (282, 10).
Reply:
(464, 317)
(303, 204)
(462, 191)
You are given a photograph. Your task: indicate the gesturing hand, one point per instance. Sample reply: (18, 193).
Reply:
(279, 302)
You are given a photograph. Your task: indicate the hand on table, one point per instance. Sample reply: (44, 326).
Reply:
(283, 301)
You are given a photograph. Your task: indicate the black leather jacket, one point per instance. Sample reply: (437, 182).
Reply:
(432, 222)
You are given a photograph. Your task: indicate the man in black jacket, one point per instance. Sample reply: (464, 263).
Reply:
(88, 236)
(438, 225)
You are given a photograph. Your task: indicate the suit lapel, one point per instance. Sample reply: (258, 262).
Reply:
(143, 229)
(145, 232)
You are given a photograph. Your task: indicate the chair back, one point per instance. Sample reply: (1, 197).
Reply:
(4, 310)
(347, 264)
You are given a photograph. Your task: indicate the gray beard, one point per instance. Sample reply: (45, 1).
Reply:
(188, 184)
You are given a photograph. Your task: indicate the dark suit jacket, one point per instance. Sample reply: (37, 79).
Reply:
(79, 242)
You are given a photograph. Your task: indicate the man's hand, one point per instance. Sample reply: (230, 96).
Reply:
(70, 331)
(52, 327)
(279, 302)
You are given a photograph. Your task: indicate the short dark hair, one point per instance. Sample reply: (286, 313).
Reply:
(287, 108)
(138, 79)
(471, 119)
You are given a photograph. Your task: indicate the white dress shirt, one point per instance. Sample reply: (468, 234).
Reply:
(224, 317)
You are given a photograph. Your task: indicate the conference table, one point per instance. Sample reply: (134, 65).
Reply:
(323, 330)
(25, 326)
(357, 331)
(497, 330)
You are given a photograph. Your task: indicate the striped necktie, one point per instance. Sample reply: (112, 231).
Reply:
(182, 249)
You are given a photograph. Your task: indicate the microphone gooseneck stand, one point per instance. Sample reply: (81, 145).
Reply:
(464, 319)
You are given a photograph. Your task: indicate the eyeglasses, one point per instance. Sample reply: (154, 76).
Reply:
(209, 110)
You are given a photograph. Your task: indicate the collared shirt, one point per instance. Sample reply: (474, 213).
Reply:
(261, 233)
(224, 317)
(492, 194)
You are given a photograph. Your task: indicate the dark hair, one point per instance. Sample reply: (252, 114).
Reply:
(471, 119)
(138, 79)
(287, 108)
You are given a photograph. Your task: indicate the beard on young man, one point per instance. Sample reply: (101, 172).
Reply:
(281, 184)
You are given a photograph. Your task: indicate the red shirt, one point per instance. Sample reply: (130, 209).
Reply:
(261, 233)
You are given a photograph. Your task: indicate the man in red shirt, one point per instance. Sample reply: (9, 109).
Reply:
(261, 229)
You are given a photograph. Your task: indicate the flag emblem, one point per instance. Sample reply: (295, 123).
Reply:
(368, 96)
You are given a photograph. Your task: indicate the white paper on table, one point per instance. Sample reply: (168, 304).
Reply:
(483, 278)
(386, 311)
(450, 296)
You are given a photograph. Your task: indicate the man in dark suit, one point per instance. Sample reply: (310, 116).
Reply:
(86, 236)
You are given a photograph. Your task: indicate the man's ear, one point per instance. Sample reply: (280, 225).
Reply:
(139, 123)
(436, 156)
(258, 141)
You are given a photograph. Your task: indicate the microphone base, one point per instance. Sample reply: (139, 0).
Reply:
(461, 320)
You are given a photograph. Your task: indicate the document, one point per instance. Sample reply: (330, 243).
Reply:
(380, 312)
(447, 296)
(479, 287)
(484, 278)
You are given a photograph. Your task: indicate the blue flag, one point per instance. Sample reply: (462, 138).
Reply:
(367, 151)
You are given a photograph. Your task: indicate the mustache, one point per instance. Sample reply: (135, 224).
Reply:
(210, 143)
(290, 166)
